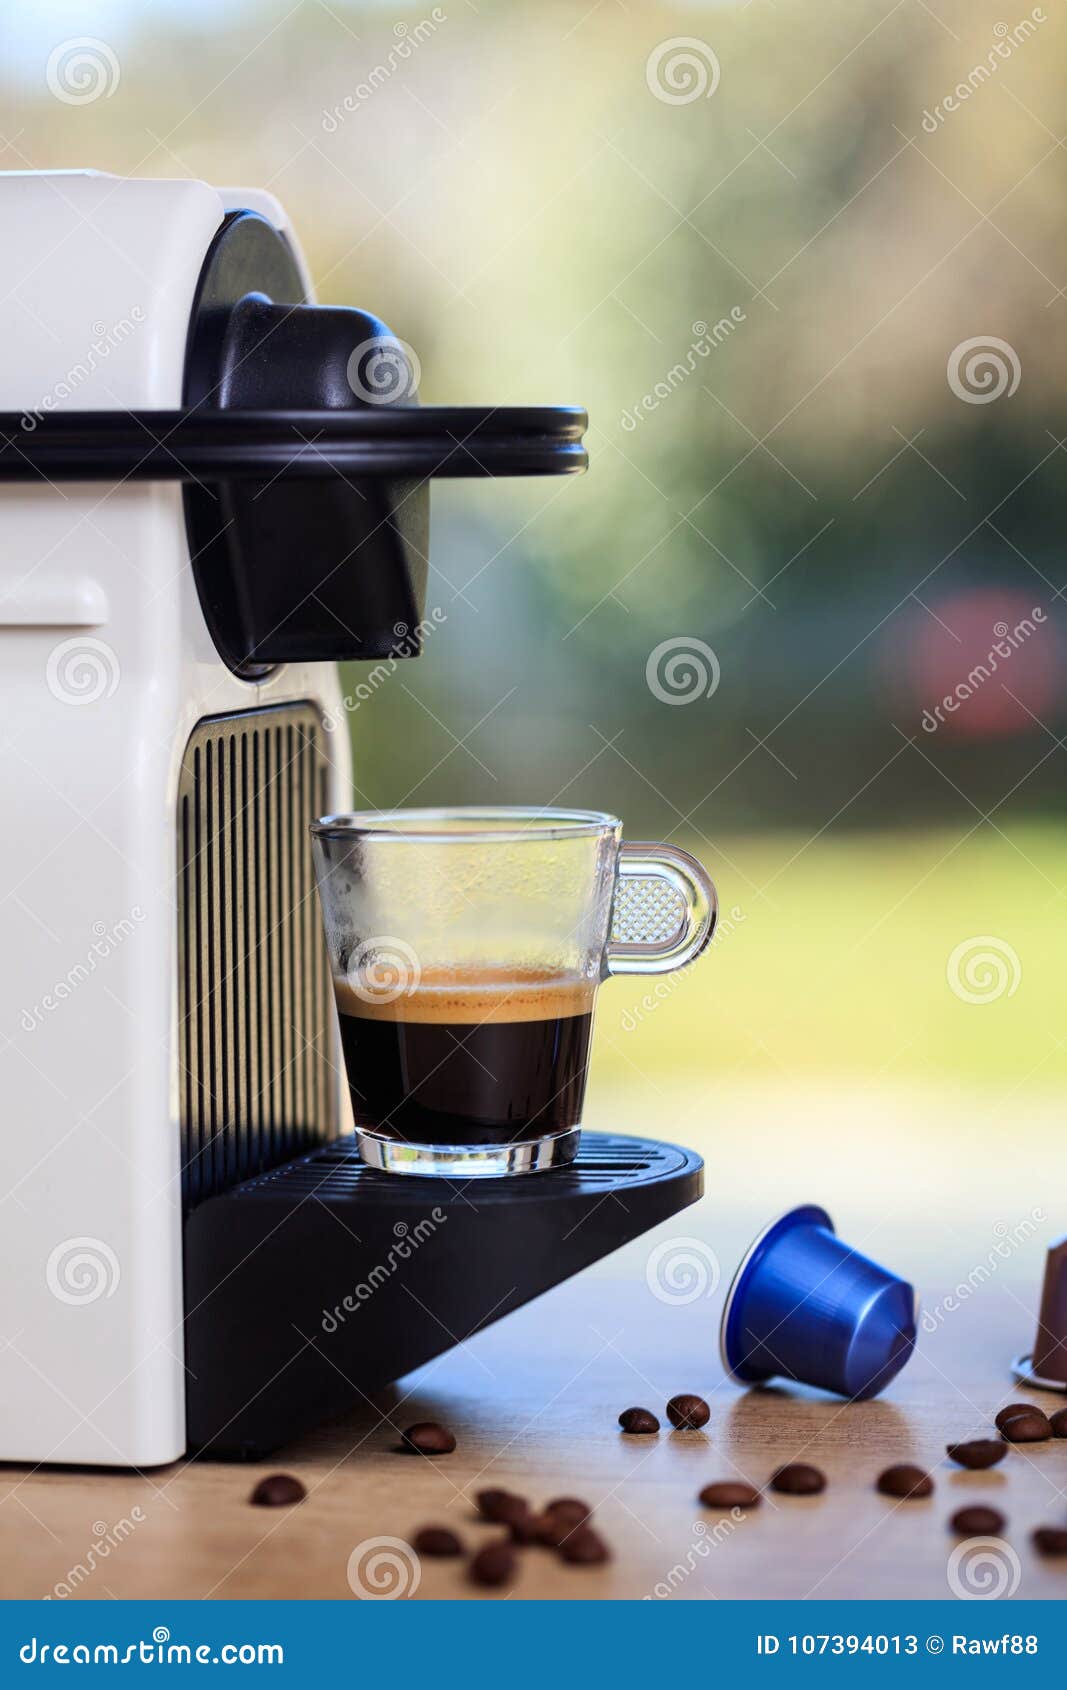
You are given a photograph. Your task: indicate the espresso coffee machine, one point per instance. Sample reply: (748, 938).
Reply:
(213, 489)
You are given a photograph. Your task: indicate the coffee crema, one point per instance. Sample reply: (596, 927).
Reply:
(475, 1058)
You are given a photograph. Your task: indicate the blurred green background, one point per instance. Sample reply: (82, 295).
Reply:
(756, 243)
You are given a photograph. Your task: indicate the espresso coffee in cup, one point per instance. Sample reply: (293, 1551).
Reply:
(467, 1057)
(466, 948)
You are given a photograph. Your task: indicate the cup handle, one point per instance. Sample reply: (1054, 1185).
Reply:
(692, 887)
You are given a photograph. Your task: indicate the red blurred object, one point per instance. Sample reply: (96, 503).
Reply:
(981, 664)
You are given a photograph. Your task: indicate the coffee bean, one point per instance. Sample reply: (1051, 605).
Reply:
(638, 1420)
(1028, 1427)
(687, 1413)
(1050, 1540)
(905, 1481)
(494, 1564)
(1058, 1422)
(501, 1505)
(730, 1493)
(278, 1490)
(584, 1548)
(980, 1452)
(551, 1530)
(570, 1510)
(1010, 1410)
(436, 1540)
(978, 1522)
(427, 1438)
(798, 1479)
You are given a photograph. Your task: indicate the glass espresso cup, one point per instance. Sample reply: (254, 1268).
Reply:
(466, 948)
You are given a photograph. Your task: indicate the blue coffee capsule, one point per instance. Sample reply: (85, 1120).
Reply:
(804, 1306)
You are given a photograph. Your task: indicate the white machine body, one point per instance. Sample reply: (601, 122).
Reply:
(106, 668)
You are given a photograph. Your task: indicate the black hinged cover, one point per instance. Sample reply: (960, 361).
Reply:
(289, 569)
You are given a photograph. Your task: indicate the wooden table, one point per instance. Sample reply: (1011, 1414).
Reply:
(533, 1402)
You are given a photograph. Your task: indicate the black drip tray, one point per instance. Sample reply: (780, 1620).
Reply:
(317, 1283)
(335, 1170)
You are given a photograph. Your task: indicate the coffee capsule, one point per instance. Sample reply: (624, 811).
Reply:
(1046, 1365)
(804, 1306)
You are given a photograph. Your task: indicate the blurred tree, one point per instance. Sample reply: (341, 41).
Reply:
(555, 202)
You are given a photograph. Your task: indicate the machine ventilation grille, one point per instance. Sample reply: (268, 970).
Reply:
(255, 1015)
